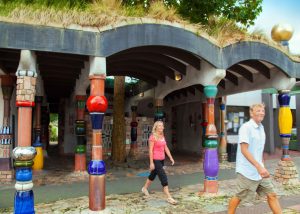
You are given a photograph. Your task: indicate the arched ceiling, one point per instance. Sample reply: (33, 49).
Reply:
(152, 63)
(150, 52)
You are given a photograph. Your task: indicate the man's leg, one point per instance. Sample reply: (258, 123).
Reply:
(233, 204)
(266, 187)
(274, 203)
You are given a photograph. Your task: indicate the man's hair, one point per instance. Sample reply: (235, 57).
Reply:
(260, 105)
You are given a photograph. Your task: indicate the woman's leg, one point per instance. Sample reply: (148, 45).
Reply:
(164, 181)
(148, 182)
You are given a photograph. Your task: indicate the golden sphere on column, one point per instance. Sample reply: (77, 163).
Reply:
(282, 32)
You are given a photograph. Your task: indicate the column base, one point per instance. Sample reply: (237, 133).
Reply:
(105, 211)
(80, 162)
(97, 192)
(210, 186)
(286, 173)
(24, 202)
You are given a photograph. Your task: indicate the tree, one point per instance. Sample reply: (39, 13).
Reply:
(118, 132)
(199, 11)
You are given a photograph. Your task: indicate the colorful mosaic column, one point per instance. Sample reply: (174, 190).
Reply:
(80, 131)
(133, 134)
(159, 114)
(24, 153)
(223, 133)
(285, 121)
(39, 158)
(286, 171)
(97, 105)
(211, 162)
(6, 137)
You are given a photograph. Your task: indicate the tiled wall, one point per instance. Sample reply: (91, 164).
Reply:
(144, 131)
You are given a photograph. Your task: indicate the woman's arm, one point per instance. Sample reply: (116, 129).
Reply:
(167, 151)
(151, 145)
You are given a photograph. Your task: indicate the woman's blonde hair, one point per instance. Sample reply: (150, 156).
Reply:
(154, 133)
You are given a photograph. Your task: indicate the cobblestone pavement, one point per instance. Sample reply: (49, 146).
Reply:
(189, 200)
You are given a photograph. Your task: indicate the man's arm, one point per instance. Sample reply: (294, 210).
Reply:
(261, 169)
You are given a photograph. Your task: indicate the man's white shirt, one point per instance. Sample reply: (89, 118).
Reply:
(254, 135)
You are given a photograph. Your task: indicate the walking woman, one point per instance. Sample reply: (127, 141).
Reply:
(157, 150)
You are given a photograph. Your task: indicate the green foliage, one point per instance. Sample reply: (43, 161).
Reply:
(54, 118)
(53, 133)
(53, 127)
(199, 11)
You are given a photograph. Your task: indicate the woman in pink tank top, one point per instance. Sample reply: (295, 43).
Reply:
(157, 150)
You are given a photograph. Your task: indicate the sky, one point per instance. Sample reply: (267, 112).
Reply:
(280, 11)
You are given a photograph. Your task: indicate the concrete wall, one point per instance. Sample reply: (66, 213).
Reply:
(244, 99)
(188, 134)
(69, 132)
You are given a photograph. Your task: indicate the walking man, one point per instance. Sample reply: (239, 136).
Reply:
(252, 176)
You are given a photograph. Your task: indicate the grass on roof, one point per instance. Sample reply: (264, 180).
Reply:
(101, 13)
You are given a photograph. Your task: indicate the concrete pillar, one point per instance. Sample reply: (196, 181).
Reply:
(268, 122)
(80, 131)
(211, 161)
(24, 153)
(134, 124)
(6, 137)
(39, 158)
(286, 171)
(223, 132)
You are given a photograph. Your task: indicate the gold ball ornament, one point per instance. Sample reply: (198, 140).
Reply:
(282, 32)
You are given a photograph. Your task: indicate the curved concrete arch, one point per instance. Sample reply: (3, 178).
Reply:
(106, 43)
(109, 42)
(157, 34)
(242, 51)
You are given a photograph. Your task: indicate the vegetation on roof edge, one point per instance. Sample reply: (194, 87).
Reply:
(99, 13)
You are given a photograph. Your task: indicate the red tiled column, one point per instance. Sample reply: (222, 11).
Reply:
(211, 162)
(80, 130)
(97, 105)
(24, 153)
(133, 134)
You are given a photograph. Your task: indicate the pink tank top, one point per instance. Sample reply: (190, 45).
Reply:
(158, 148)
